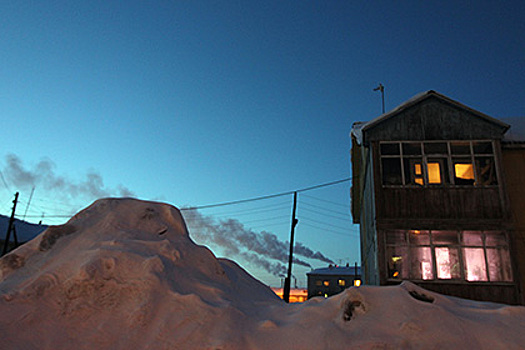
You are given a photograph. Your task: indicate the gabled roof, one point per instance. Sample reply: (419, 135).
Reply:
(423, 96)
(359, 128)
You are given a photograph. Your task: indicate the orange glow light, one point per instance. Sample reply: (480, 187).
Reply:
(417, 169)
(464, 171)
(434, 173)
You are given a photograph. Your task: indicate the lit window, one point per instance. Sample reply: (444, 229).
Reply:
(418, 173)
(407, 163)
(431, 255)
(421, 263)
(475, 267)
(397, 267)
(447, 263)
(357, 283)
(342, 283)
(463, 172)
(326, 283)
(434, 173)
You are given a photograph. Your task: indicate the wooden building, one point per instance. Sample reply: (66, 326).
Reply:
(430, 194)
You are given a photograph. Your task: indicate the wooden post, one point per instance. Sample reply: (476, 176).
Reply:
(10, 226)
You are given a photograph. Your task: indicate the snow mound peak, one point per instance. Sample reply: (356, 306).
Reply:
(119, 264)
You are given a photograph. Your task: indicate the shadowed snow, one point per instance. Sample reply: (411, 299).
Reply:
(124, 274)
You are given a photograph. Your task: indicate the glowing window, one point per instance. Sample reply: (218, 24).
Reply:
(418, 178)
(326, 283)
(421, 263)
(434, 173)
(430, 255)
(447, 263)
(342, 283)
(475, 267)
(463, 173)
(462, 163)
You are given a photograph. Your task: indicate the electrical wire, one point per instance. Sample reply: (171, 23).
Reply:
(346, 216)
(287, 193)
(326, 201)
(252, 211)
(324, 223)
(348, 234)
(325, 215)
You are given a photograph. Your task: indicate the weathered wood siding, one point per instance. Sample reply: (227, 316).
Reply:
(514, 172)
(434, 119)
(357, 188)
(498, 293)
(367, 227)
(437, 204)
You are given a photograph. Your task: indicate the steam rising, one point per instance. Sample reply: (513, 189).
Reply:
(257, 247)
(43, 177)
(263, 248)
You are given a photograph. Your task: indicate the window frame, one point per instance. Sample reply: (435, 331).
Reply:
(408, 245)
(446, 161)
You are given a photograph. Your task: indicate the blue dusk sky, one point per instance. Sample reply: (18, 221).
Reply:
(202, 102)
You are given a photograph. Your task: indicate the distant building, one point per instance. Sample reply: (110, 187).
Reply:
(332, 280)
(297, 295)
(439, 196)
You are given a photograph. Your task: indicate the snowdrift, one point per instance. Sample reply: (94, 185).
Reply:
(125, 274)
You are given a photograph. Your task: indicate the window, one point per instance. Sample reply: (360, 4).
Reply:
(435, 163)
(473, 256)
(326, 283)
(342, 283)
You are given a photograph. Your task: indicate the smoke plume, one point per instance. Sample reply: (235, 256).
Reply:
(43, 176)
(261, 248)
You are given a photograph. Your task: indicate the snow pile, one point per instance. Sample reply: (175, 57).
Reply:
(124, 274)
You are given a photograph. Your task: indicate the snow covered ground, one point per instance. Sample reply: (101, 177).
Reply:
(125, 274)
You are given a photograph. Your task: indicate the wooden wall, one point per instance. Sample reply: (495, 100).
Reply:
(436, 204)
(434, 119)
(504, 293)
(514, 172)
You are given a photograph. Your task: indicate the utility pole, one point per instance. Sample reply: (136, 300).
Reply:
(287, 281)
(10, 226)
(381, 88)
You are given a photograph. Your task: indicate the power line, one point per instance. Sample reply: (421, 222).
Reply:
(324, 223)
(340, 213)
(348, 234)
(327, 201)
(347, 219)
(267, 196)
(252, 211)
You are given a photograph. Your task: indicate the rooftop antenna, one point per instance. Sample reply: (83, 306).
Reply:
(382, 89)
